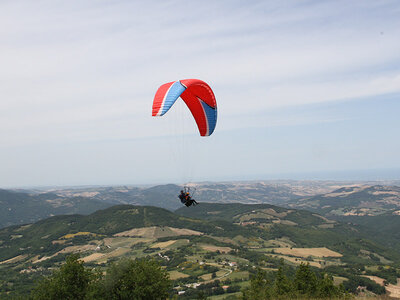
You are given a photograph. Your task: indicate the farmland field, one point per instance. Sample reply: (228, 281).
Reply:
(306, 252)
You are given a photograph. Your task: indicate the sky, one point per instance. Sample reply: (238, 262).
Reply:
(305, 89)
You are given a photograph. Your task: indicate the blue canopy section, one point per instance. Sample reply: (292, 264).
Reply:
(211, 115)
(173, 93)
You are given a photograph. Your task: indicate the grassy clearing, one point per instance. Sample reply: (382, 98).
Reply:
(239, 275)
(284, 222)
(116, 253)
(157, 232)
(179, 243)
(72, 235)
(206, 277)
(60, 242)
(14, 259)
(298, 261)
(394, 290)
(163, 245)
(306, 252)
(256, 215)
(221, 274)
(281, 243)
(338, 280)
(92, 257)
(124, 241)
(42, 259)
(377, 279)
(244, 284)
(104, 257)
(267, 213)
(75, 249)
(223, 239)
(240, 239)
(232, 258)
(213, 248)
(173, 275)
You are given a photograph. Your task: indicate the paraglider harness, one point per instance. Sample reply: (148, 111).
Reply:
(186, 198)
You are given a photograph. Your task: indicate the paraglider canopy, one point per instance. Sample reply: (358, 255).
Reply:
(198, 97)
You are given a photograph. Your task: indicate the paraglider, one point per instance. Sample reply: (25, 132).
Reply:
(198, 97)
(186, 198)
(201, 102)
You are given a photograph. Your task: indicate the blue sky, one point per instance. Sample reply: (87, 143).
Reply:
(303, 87)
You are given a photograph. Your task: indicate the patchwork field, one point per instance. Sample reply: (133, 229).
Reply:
(306, 252)
(104, 257)
(77, 249)
(92, 257)
(213, 248)
(377, 279)
(124, 241)
(163, 245)
(220, 274)
(338, 280)
(14, 259)
(177, 275)
(392, 289)
(72, 235)
(298, 261)
(268, 213)
(157, 232)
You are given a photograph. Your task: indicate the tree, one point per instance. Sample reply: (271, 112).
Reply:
(136, 279)
(201, 296)
(71, 281)
(218, 290)
(326, 288)
(259, 287)
(282, 285)
(305, 280)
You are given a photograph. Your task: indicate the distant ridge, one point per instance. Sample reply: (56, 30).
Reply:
(22, 208)
(358, 200)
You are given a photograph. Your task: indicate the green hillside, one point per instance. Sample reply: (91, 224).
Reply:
(21, 208)
(263, 213)
(38, 238)
(230, 240)
(373, 210)
(363, 200)
(303, 228)
(387, 224)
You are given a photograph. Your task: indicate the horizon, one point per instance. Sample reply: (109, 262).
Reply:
(385, 176)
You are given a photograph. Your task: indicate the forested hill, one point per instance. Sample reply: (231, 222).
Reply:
(358, 200)
(266, 222)
(42, 236)
(304, 227)
(21, 208)
(193, 243)
(245, 213)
